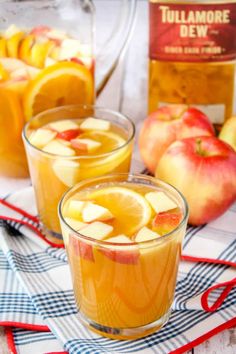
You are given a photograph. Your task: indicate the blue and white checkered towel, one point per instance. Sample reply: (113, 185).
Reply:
(37, 304)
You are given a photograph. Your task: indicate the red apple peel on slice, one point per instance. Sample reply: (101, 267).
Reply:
(81, 248)
(69, 134)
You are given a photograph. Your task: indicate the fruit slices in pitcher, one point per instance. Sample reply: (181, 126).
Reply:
(40, 68)
(39, 63)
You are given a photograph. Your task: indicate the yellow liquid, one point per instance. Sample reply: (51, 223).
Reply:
(49, 187)
(115, 293)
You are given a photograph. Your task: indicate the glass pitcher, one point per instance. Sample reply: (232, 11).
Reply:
(47, 59)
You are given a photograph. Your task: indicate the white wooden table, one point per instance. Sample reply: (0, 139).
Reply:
(127, 92)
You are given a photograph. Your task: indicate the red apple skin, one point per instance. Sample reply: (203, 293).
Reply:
(40, 30)
(69, 134)
(166, 125)
(81, 249)
(78, 145)
(206, 179)
(76, 60)
(166, 221)
(121, 256)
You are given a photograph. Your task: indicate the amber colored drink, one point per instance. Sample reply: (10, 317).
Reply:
(123, 236)
(69, 144)
(40, 68)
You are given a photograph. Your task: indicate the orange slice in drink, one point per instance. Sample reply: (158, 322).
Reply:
(63, 83)
(109, 140)
(130, 209)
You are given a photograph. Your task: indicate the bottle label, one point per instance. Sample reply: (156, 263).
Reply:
(192, 32)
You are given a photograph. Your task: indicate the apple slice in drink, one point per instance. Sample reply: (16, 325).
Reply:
(145, 234)
(75, 208)
(74, 224)
(120, 253)
(41, 137)
(85, 145)
(66, 171)
(94, 212)
(165, 222)
(62, 125)
(95, 124)
(81, 248)
(159, 201)
(57, 148)
(147, 249)
(68, 134)
(97, 231)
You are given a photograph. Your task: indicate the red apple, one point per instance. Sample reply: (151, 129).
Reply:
(166, 125)
(204, 170)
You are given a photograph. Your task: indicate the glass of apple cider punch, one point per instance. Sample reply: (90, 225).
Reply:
(123, 236)
(68, 144)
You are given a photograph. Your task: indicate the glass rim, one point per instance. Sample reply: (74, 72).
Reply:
(158, 240)
(86, 106)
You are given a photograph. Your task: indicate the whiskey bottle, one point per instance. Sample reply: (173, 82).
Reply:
(192, 55)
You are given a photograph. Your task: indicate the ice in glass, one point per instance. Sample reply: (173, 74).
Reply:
(123, 236)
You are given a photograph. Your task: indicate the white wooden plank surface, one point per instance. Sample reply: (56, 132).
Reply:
(127, 92)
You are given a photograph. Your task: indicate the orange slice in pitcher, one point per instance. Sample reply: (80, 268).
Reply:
(61, 84)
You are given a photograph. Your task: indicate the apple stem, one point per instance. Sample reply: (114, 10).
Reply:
(199, 149)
